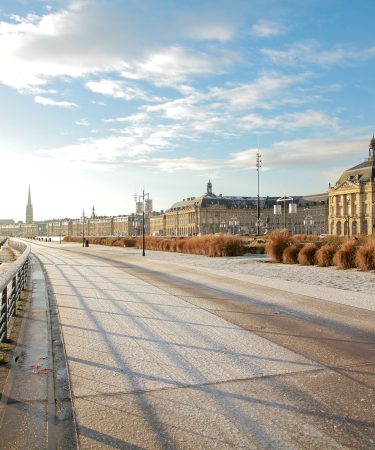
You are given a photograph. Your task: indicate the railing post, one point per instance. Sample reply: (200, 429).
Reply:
(13, 298)
(4, 315)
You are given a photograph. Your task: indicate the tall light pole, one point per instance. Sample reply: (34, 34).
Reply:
(258, 166)
(143, 196)
(83, 227)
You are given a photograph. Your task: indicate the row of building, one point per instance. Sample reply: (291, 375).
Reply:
(346, 209)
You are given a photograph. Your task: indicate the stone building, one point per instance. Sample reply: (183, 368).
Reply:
(352, 199)
(212, 214)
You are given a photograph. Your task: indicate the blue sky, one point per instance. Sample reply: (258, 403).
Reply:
(102, 97)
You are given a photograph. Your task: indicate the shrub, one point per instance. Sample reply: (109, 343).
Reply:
(199, 245)
(365, 257)
(306, 256)
(345, 256)
(306, 237)
(290, 254)
(113, 241)
(324, 256)
(277, 242)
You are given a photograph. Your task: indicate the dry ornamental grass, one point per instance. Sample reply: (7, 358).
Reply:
(306, 256)
(277, 242)
(290, 254)
(345, 257)
(324, 256)
(365, 257)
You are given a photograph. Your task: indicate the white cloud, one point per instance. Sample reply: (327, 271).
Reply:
(267, 28)
(119, 89)
(174, 65)
(301, 152)
(89, 38)
(177, 164)
(268, 90)
(50, 102)
(134, 118)
(220, 32)
(304, 119)
(308, 52)
(83, 122)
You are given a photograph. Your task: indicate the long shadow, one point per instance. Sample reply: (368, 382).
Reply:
(189, 346)
(227, 401)
(159, 429)
(171, 279)
(179, 361)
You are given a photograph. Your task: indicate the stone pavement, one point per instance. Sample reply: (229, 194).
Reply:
(151, 370)
(148, 369)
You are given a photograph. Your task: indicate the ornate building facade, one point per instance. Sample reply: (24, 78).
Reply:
(212, 214)
(352, 199)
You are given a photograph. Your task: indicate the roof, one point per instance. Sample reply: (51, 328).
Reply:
(242, 202)
(363, 172)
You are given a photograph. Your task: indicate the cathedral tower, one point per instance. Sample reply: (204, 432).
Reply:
(29, 209)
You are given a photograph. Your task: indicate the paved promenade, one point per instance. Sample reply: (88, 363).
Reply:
(155, 364)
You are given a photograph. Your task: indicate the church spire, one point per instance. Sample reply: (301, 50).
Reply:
(29, 209)
(209, 188)
(371, 149)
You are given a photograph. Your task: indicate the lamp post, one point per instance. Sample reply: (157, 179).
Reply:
(347, 217)
(83, 227)
(233, 222)
(60, 230)
(308, 220)
(223, 227)
(258, 166)
(277, 208)
(143, 196)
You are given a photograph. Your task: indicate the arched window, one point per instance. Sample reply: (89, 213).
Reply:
(332, 231)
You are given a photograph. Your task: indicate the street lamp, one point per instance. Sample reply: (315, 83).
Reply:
(223, 227)
(83, 227)
(308, 220)
(60, 230)
(347, 217)
(143, 196)
(277, 208)
(258, 166)
(233, 222)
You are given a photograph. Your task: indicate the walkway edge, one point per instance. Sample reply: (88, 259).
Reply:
(62, 432)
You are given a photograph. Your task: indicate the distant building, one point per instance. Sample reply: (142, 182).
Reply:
(6, 222)
(29, 209)
(210, 214)
(352, 199)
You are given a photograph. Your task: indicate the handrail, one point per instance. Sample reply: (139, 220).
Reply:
(12, 282)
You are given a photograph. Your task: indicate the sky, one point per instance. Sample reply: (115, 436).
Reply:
(100, 99)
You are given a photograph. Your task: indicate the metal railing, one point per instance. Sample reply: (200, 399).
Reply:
(12, 282)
